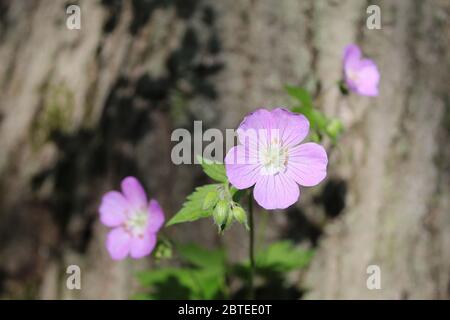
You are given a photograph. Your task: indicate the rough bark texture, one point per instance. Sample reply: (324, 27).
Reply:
(81, 109)
(394, 161)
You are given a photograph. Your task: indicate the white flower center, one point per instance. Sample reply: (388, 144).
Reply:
(136, 223)
(352, 75)
(274, 158)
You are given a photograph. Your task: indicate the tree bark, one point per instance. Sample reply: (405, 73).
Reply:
(395, 163)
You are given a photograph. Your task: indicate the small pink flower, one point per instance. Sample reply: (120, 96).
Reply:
(271, 157)
(361, 75)
(134, 220)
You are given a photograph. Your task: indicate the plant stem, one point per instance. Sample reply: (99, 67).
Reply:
(251, 247)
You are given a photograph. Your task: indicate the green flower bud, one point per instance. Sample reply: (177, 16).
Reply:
(163, 250)
(220, 213)
(240, 215)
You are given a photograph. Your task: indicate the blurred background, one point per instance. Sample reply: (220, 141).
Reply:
(81, 109)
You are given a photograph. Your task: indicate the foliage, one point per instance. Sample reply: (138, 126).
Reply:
(204, 273)
(278, 257)
(214, 170)
(320, 124)
(282, 256)
(193, 209)
(216, 200)
(201, 277)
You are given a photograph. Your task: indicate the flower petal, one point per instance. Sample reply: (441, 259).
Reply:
(134, 193)
(276, 192)
(258, 119)
(369, 77)
(260, 126)
(241, 167)
(255, 128)
(352, 55)
(156, 216)
(142, 246)
(113, 209)
(118, 243)
(307, 164)
(293, 127)
(361, 75)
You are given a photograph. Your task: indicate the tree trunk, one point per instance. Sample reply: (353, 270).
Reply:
(81, 109)
(393, 160)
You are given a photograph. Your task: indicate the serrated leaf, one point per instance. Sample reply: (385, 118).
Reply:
(193, 207)
(214, 170)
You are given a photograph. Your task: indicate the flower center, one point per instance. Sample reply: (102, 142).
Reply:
(352, 75)
(274, 158)
(136, 223)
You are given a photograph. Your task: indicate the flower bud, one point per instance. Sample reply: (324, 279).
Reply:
(240, 215)
(220, 213)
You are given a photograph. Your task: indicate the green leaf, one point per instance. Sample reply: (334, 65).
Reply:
(209, 282)
(319, 120)
(201, 257)
(334, 128)
(314, 136)
(210, 275)
(283, 256)
(205, 279)
(193, 207)
(210, 200)
(214, 170)
(169, 283)
(301, 94)
(141, 296)
(237, 194)
(320, 124)
(148, 278)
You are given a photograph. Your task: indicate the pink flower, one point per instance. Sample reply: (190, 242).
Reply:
(134, 220)
(271, 157)
(361, 75)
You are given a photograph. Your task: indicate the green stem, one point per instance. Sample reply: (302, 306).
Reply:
(251, 247)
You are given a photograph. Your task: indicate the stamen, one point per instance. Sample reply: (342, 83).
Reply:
(136, 223)
(274, 158)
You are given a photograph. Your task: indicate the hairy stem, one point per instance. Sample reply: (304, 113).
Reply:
(251, 247)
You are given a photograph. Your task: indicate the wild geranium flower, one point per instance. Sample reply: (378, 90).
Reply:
(361, 74)
(271, 157)
(135, 220)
